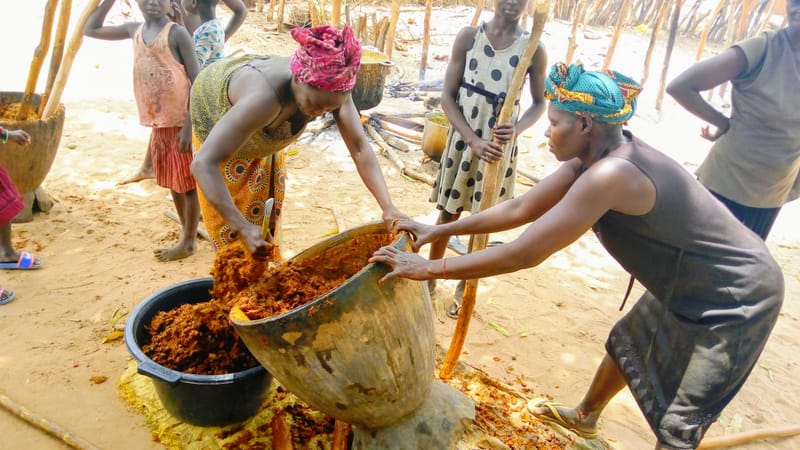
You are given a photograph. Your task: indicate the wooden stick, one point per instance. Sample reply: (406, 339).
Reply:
(662, 13)
(336, 13)
(201, 230)
(578, 22)
(529, 176)
(395, 159)
(770, 9)
(58, 51)
(313, 12)
(281, 10)
(38, 59)
(491, 178)
(673, 35)
(69, 57)
(341, 436)
(281, 435)
(747, 6)
(612, 46)
(707, 29)
(749, 436)
(478, 11)
(271, 10)
(389, 45)
(46, 425)
(426, 40)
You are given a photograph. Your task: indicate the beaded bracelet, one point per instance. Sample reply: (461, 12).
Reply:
(4, 132)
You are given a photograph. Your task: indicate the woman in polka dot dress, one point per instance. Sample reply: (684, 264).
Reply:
(476, 82)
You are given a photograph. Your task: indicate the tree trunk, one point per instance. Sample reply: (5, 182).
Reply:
(673, 34)
(612, 46)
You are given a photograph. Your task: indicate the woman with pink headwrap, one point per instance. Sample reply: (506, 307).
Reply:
(246, 110)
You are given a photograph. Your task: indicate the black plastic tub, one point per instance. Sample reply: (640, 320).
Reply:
(205, 400)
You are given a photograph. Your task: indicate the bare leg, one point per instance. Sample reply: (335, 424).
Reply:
(7, 250)
(608, 380)
(188, 208)
(145, 172)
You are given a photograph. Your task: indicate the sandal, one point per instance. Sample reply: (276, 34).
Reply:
(455, 308)
(6, 296)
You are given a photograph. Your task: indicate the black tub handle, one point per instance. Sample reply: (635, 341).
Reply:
(159, 372)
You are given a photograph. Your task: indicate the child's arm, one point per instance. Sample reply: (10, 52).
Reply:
(239, 10)
(537, 71)
(484, 149)
(181, 43)
(94, 25)
(18, 137)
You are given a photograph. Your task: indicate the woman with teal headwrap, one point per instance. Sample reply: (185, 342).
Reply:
(713, 291)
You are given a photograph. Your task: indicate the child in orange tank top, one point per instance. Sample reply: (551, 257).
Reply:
(164, 68)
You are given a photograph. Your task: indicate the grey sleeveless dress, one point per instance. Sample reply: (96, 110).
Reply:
(713, 295)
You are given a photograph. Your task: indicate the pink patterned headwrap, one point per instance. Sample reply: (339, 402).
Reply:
(327, 59)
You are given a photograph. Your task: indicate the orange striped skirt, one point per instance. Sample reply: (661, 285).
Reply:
(170, 165)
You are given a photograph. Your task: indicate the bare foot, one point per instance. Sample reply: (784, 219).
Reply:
(569, 418)
(142, 174)
(175, 253)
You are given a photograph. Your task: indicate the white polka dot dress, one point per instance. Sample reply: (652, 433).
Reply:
(459, 182)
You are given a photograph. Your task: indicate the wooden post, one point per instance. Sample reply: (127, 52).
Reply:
(478, 10)
(662, 12)
(389, 45)
(673, 34)
(271, 10)
(707, 28)
(731, 35)
(58, 50)
(612, 46)
(336, 13)
(281, 11)
(426, 40)
(577, 23)
(259, 5)
(489, 197)
(747, 6)
(763, 24)
(69, 57)
(313, 12)
(38, 59)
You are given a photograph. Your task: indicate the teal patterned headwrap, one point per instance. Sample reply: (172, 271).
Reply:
(608, 97)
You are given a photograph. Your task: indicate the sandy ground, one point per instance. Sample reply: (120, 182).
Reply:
(97, 245)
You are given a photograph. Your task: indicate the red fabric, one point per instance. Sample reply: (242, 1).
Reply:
(169, 163)
(327, 59)
(10, 201)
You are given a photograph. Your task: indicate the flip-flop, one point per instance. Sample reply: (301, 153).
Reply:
(455, 308)
(6, 296)
(556, 418)
(455, 244)
(26, 261)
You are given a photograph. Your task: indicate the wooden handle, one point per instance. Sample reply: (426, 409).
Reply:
(69, 57)
(489, 198)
